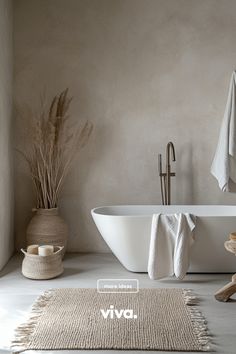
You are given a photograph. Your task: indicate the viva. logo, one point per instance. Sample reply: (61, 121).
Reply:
(114, 313)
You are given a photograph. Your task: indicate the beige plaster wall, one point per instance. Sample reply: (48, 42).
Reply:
(144, 72)
(6, 181)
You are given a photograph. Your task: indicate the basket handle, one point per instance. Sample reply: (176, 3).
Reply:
(60, 249)
(23, 251)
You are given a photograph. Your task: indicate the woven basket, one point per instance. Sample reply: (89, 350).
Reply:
(39, 267)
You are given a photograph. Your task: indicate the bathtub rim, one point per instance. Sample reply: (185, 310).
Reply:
(217, 210)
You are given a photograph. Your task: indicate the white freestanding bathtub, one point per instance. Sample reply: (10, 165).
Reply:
(126, 230)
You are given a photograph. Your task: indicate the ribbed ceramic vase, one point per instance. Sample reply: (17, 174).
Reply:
(47, 228)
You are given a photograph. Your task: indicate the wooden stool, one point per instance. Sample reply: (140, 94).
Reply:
(229, 289)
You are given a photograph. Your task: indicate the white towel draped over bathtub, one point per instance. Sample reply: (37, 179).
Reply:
(171, 238)
(223, 166)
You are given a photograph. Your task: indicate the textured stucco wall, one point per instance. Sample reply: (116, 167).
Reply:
(145, 72)
(6, 181)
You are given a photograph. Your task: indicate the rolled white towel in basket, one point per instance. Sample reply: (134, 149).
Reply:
(45, 250)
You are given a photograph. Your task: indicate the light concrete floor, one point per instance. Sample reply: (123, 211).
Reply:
(82, 270)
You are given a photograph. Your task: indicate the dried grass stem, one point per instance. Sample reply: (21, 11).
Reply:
(52, 148)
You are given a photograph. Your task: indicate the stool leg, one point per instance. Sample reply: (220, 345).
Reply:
(227, 291)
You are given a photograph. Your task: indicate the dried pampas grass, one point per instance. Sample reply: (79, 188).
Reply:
(52, 145)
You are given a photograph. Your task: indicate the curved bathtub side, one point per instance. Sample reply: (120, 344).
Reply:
(127, 237)
(208, 254)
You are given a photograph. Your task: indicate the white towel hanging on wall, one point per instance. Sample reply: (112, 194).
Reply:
(224, 164)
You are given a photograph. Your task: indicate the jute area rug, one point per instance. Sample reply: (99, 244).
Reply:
(152, 319)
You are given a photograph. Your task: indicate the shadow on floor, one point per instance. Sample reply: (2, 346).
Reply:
(11, 266)
(71, 271)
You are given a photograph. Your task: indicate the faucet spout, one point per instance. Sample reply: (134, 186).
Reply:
(165, 177)
(170, 147)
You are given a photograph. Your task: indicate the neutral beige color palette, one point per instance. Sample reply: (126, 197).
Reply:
(18, 293)
(72, 319)
(6, 178)
(47, 228)
(144, 72)
(42, 267)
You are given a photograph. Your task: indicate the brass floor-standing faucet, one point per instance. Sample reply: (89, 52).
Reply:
(165, 178)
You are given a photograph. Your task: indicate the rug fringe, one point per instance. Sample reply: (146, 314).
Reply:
(198, 320)
(24, 331)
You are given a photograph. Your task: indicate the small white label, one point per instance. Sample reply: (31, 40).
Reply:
(117, 286)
